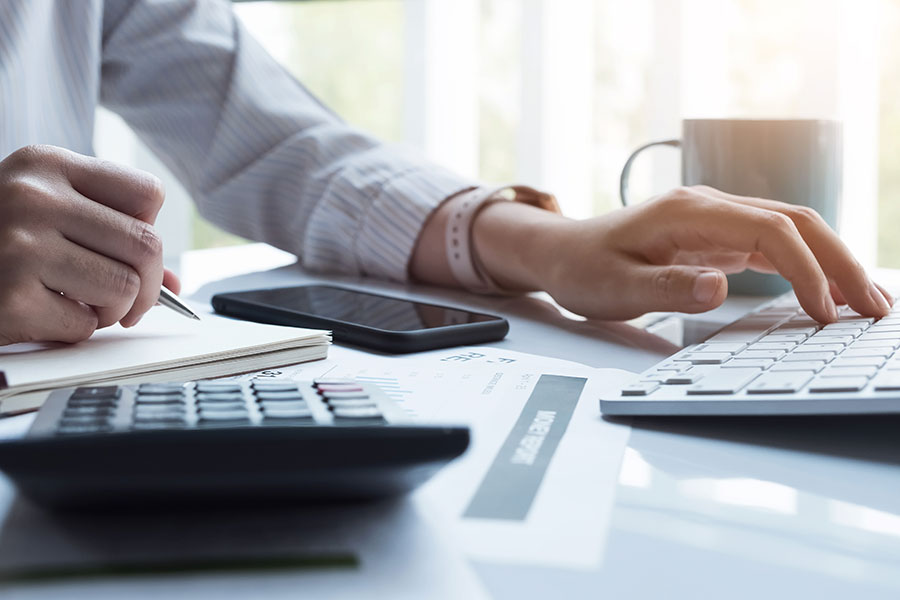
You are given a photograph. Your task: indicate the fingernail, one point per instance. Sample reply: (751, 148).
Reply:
(879, 298)
(705, 287)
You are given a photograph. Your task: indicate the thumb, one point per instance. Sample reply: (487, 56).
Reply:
(682, 288)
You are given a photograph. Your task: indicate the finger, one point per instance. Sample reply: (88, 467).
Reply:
(832, 254)
(120, 237)
(130, 191)
(56, 318)
(107, 285)
(171, 281)
(677, 288)
(887, 295)
(751, 229)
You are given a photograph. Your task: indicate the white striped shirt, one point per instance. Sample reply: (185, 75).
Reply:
(258, 153)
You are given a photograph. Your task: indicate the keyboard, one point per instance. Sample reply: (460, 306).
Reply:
(214, 443)
(775, 361)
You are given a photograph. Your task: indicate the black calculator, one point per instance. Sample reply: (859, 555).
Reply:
(212, 443)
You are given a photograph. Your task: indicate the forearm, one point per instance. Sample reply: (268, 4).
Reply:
(514, 242)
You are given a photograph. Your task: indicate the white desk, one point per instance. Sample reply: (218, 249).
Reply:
(703, 509)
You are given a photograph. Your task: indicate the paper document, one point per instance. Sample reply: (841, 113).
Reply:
(163, 346)
(537, 484)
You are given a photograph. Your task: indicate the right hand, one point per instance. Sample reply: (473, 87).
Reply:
(78, 250)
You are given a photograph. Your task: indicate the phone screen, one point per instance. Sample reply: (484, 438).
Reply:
(370, 310)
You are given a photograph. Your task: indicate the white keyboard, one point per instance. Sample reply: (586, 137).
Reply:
(775, 360)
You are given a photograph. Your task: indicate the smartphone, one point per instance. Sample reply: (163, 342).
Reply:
(364, 319)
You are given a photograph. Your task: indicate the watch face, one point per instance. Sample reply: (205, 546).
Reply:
(370, 310)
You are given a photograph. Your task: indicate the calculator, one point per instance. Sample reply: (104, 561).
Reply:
(212, 443)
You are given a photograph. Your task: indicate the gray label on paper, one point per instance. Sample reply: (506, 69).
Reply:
(512, 482)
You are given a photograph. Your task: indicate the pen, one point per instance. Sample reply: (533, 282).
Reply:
(170, 300)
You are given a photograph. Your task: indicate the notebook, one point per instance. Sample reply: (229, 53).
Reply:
(164, 346)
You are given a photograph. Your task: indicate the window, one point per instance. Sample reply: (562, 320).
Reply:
(556, 94)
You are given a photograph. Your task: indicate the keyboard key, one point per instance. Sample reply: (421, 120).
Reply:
(810, 347)
(868, 361)
(831, 337)
(218, 388)
(887, 381)
(867, 372)
(706, 358)
(772, 354)
(872, 336)
(641, 388)
(685, 378)
(807, 356)
(801, 328)
(843, 325)
(744, 363)
(147, 389)
(730, 347)
(103, 391)
(723, 381)
(800, 365)
(838, 384)
(784, 382)
(783, 337)
(738, 335)
(784, 346)
(854, 352)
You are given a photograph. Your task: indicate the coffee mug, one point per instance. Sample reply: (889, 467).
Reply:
(795, 161)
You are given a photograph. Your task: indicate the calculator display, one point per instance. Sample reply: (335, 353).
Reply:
(370, 310)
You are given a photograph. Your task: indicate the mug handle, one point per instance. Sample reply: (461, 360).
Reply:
(626, 170)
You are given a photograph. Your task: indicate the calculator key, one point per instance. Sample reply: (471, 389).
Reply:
(159, 409)
(218, 388)
(159, 400)
(92, 402)
(724, 381)
(340, 388)
(333, 381)
(352, 403)
(89, 411)
(222, 407)
(283, 405)
(83, 429)
(84, 419)
(640, 389)
(288, 414)
(838, 384)
(279, 396)
(348, 395)
(147, 389)
(219, 416)
(783, 382)
(357, 413)
(103, 391)
(160, 418)
(274, 386)
(157, 425)
(220, 397)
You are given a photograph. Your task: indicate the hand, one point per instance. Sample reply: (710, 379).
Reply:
(77, 246)
(671, 254)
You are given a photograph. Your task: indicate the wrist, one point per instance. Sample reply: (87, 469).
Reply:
(518, 244)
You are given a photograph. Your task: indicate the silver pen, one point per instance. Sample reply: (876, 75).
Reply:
(170, 300)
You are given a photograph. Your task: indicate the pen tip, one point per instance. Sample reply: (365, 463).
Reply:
(195, 317)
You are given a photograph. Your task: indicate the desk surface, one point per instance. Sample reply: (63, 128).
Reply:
(703, 509)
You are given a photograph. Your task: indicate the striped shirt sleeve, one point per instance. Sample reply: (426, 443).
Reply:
(260, 155)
